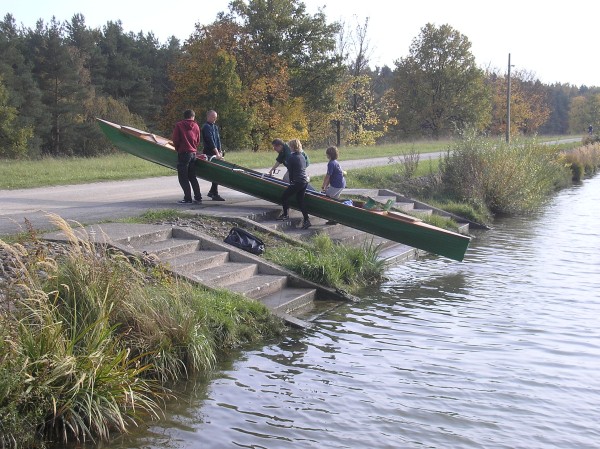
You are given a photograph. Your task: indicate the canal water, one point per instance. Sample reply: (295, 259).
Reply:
(499, 351)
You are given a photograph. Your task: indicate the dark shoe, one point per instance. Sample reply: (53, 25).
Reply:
(198, 201)
(283, 217)
(216, 197)
(331, 222)
(184, 201)
(306, 224)
(210, 194)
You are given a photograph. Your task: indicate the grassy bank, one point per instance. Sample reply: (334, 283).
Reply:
(478, 178)
(89, 338)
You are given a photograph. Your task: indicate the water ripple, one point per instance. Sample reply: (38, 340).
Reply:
(500, 351)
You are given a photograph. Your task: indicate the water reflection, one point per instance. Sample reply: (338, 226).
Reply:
(499, 351)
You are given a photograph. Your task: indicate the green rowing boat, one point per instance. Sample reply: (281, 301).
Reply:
(391, 225)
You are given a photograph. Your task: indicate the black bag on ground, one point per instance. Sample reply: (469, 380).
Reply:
(240, 238)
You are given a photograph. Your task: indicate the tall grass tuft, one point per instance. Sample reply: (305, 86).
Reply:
(583, 161)
(331, 264)
(88, 339)
(505, 178)
(60, 383)
(465, 210)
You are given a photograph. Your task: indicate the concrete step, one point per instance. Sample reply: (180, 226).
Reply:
(403, 206)
(197, 260)
(294, 222)
(317, 226)
(226, 274)
(397, 253)
(362, 238)
(283, 226)
(384, 198)
(147, 237)
(362, 192)
(259, 285)
(341, 234)
(375, 240)
(169, 247)
(290, 300)
(463, 228)
(421, 212)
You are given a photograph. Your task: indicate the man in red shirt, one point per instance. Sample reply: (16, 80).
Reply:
(186, 138)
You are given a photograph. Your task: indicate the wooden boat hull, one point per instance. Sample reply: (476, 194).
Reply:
(396, 227)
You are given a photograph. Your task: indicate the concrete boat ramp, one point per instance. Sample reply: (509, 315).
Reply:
(205, 260)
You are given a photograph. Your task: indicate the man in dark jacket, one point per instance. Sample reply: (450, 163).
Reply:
(212, 147)
(186, 137)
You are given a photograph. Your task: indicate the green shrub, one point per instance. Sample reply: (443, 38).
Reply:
(591, 139)
(505, 178)
(577, 171)
(441, 222)
(464, 210)
(331, 264)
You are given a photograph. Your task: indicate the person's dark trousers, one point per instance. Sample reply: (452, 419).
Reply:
(299, 190)
(214, 189)
(186, 174)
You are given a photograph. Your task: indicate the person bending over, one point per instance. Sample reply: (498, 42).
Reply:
(283, 154)
(298, 182)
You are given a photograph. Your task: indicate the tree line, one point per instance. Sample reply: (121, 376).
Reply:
(270, 69)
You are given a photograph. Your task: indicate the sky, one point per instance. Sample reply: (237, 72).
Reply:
(556, 42)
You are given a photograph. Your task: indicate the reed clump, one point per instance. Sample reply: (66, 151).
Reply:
(503, 178)
(583, 161)
(332, 265)
(89, 338)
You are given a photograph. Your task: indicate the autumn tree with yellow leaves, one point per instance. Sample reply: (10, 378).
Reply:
(206, 77)
(265, 67)
(529, 107)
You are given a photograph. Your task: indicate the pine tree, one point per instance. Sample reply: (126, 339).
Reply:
(13, 138)
(22, 91)
(64, 83)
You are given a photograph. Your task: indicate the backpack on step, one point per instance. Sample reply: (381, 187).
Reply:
(240, 238)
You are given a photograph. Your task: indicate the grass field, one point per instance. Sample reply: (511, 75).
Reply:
(119, 166)
(50, 171)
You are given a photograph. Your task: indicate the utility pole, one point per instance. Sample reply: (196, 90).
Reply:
(508, 104)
